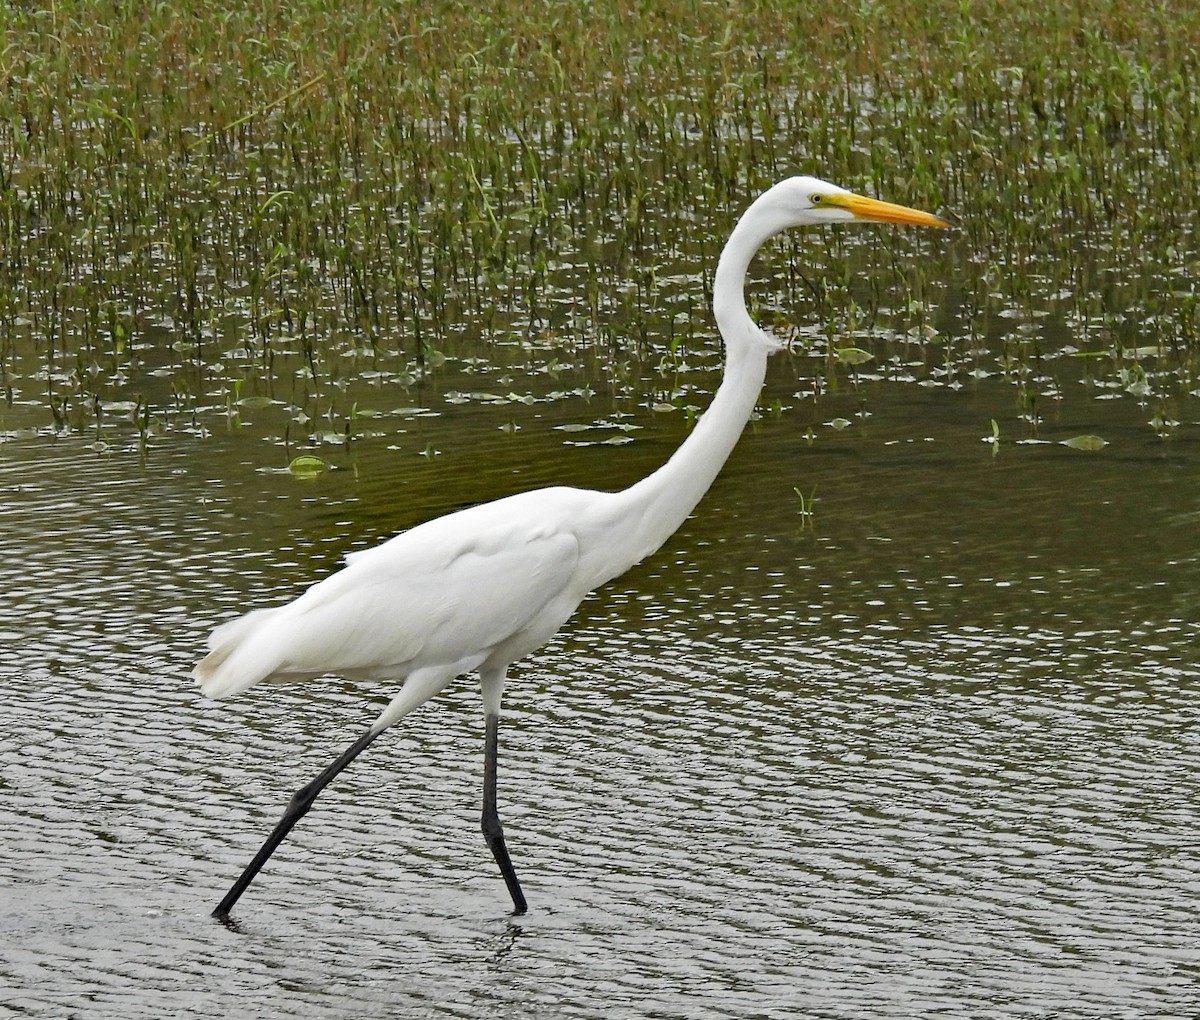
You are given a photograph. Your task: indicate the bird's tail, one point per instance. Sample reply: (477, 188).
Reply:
(237, 656)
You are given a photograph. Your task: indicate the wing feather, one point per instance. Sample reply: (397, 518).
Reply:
(455, 588)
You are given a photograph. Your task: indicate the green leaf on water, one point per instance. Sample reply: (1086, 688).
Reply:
(852, 355)
(1085, 443)
(307, 466)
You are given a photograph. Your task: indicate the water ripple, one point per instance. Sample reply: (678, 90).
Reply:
(854, 782)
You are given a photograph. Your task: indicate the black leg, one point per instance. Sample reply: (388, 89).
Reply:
(297, 808)
(493, 832)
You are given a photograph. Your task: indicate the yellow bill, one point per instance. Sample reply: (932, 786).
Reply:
(884, 212)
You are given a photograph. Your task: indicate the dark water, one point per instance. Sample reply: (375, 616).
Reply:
(931, 751)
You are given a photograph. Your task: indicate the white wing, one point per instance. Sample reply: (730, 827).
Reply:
(451, 591)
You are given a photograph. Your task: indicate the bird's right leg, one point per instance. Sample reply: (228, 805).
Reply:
(297, 808)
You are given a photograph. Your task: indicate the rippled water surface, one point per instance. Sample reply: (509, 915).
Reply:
(930, 752)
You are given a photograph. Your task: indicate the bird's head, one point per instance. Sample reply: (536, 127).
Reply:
(809, 201)
(795, 202)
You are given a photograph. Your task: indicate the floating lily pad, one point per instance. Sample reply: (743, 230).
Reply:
(1085, 443)
(307, 466)
(853, 355)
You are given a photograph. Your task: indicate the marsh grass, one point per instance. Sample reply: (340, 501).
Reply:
(202, 203)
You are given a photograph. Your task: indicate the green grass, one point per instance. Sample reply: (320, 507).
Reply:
(280, 196)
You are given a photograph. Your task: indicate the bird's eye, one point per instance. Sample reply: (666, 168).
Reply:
(816, 199)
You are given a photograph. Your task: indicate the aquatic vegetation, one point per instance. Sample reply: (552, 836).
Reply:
(208, 210)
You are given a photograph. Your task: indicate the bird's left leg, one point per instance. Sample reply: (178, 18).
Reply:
(492, 684)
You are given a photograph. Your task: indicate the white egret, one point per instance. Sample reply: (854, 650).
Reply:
(478, 589)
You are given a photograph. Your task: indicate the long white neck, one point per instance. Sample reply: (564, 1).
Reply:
(658, 504)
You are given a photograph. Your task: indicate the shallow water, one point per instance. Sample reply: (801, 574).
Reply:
(930, 751)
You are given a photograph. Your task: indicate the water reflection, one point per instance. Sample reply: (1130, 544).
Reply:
(932, 751)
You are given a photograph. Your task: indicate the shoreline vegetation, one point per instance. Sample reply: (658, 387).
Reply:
(203, 204)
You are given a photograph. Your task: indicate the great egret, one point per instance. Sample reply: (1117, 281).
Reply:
(478, 589)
